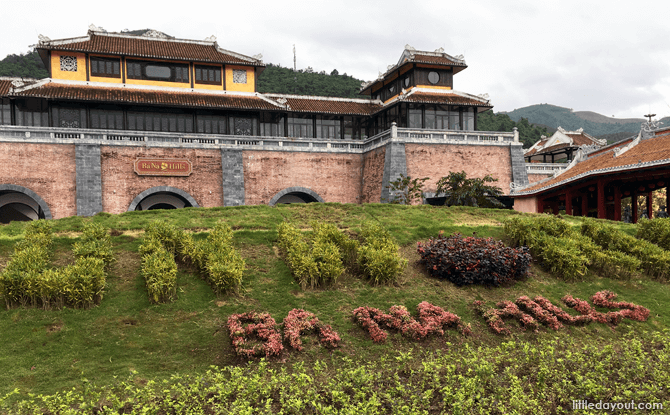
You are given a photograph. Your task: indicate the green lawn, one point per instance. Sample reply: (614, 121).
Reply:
(46, 351)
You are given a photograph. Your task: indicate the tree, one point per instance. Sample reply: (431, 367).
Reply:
(405, 190)
(461, 191)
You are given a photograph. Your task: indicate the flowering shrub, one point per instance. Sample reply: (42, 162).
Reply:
(550, 315)
(630, 310)
(263, 327)
(432, 320)
(300, 322)
(473, 260)
(506, 309)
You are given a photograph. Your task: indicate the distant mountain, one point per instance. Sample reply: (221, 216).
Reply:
(595, 124)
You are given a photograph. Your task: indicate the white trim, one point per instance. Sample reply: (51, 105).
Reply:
(319, 98)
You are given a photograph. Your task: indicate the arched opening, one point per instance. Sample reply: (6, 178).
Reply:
(162, 197)
(295, 195)
(18, 203)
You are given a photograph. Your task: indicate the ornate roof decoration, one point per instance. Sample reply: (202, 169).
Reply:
(94, 28)
(155, 34)
(210, 39)
(564, 139)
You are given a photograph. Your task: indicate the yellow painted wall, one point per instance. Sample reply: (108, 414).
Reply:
(56, 73)
(447, 88)
(248, 87)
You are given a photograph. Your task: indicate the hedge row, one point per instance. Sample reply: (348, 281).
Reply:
(656, 231)
(323, 261)
(27, 281)
(215, 258)
(565, 251)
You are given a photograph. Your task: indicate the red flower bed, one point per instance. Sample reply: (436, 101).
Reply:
(550, 315)
(300, 322)
(432, 320)
(263, 327)
(630, 310)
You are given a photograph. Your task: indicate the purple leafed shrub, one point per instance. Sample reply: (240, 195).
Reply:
(473, 260)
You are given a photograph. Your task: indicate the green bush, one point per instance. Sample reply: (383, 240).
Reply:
(655, 261)
(95, 242)
(159, 270)
(656, 231)
(320, 264)
(378, 256)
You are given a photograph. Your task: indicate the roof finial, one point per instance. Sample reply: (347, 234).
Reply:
(210, 39)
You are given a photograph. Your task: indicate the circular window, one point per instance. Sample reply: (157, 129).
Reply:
(433, 77)
(392, 89)
(406, 82)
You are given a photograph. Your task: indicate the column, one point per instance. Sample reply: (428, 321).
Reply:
(585, 204)
(602, 213)
(568, 203)
(617, 203)
(650, 204)
(633, 202)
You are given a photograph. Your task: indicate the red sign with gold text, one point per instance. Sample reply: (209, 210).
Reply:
(163, 167)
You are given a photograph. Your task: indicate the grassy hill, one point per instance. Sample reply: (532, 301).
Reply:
(128, 339)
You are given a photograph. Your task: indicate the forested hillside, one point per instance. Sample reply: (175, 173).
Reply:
(528, 134)
(27, 65)
(279, 80)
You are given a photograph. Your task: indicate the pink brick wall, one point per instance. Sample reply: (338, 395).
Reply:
(373, 173)
(120, 183)
(334, 177)
(436, 161)
(47, 169)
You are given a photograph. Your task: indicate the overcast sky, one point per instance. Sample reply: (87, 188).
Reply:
(611, 57)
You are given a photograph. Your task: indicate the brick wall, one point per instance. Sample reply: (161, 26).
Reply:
(120, 183)
(46, 169)
(373, 170)
(437, 160)
(334, 177)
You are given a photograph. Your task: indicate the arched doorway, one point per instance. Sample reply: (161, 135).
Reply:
(295, 195)
(162, 197)
(18, 203)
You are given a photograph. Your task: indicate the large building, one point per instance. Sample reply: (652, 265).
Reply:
(134, 122)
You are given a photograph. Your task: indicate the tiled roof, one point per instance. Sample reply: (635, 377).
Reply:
(5, 84)
(547, 150)
(137, 46)
(651, 151)
(327, 105)
(439, 98)
(580, 139)
(147, 96)
(440, 60)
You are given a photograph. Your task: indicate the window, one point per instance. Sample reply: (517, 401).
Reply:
(327, 127)
(68, 63)
(68, 117)
(244, 125)
(300, 127)
(430, 117)
(454, 120)
(469, 119)
(32, 112)
(415, 118)
(239, 76)
(406, 82)
(211, 124)
(442, 118)
(433, 77)
(5, 112)
(207, 75)
(107, 119)
(156, 121)
(110, 68)
(272, 124)
(157, 71)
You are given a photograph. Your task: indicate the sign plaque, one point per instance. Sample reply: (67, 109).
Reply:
(163, 167)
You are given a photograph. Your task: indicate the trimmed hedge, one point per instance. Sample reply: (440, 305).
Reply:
(378, 256)
(27, 280)
(656, 231)
(565, 251)
(655, 261)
